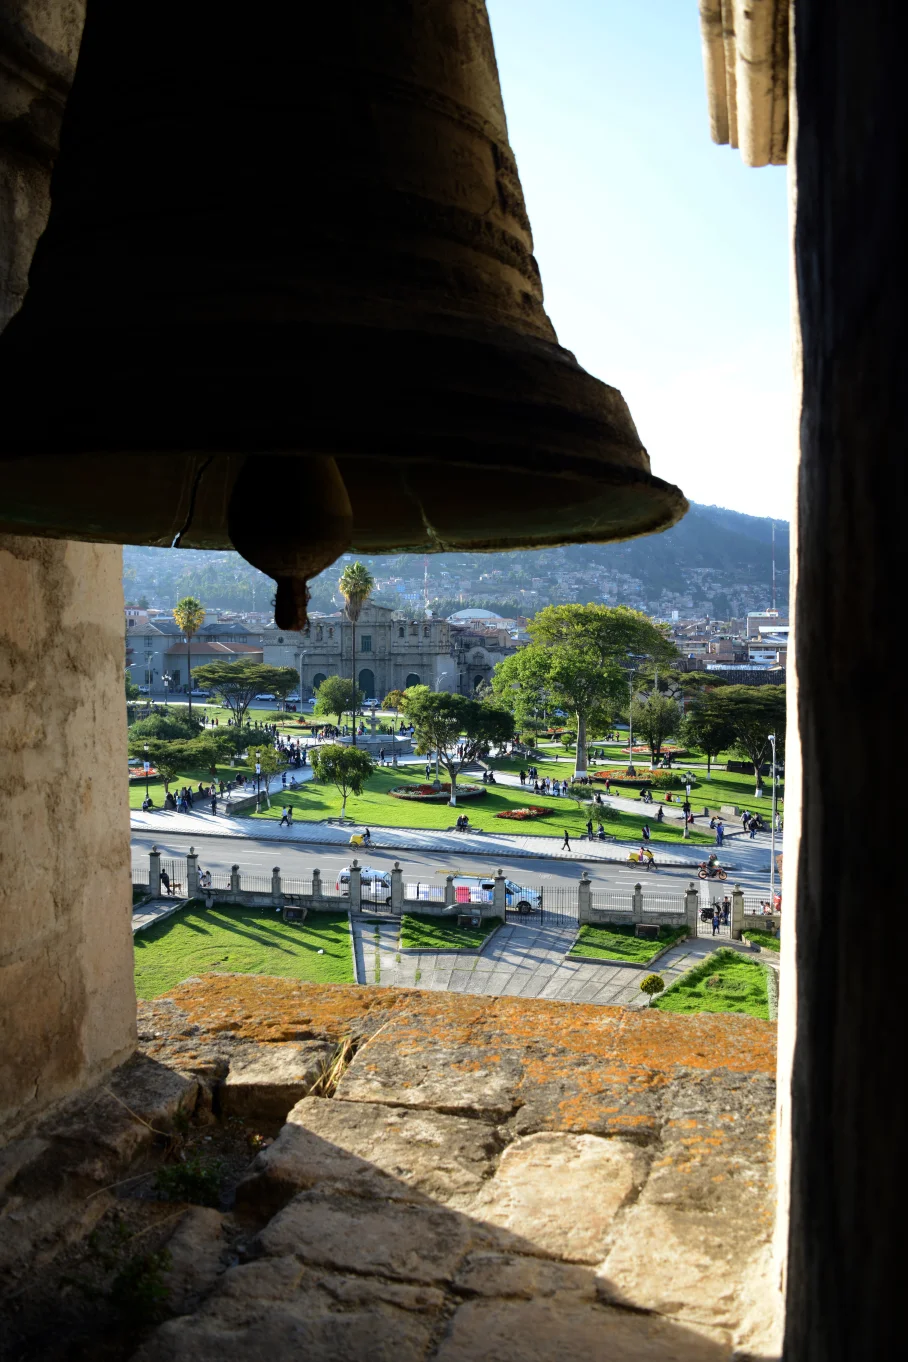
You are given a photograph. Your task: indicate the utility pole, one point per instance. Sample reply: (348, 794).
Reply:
(630, 723)
(773, 565)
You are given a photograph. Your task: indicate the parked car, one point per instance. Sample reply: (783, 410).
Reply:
(264, 696)
(367, 704)
(145, 690)
(475, 889)
(201, 694)
(374, 884)
(293, 699)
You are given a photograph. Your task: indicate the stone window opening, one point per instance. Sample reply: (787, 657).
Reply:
(365, 643)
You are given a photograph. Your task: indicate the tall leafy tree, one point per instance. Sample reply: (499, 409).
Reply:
(335, 696)
(655, 719)
(707, 727)
(356, 585)
(455, 727)
(578, 653)
(753, 712)
(346, 768)
(189, 614)
(236, 684)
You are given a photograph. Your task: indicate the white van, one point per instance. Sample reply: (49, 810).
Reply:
(476, 889)
(375, 885)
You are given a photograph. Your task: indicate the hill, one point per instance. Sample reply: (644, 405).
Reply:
(716, 561)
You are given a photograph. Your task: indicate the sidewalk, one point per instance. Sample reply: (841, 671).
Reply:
(401, 839)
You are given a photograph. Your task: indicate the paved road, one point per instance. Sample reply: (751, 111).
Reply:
(259, 857)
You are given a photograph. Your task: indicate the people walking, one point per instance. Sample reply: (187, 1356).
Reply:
(589, 829)
(214, 803)
(720, 832)
(646, 833)
(285, 818)
(660, 816)
(566, 844)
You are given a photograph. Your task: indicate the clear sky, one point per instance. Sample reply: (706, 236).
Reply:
(664, 258)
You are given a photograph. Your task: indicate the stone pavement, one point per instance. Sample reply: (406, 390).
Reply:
(520, 960)
(155, 911)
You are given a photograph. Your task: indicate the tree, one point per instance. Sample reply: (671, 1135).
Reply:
(356, 585)
(210, 748)
(753, 712)
(171, 725)
(272, 762)
(457, 728)
(287, 682)
(652, 984)
(576, 657)
(169, 758)
(335, 696)
(189, 614)
(346, 768)
(655, 719)
(236, 684)
(707, 727)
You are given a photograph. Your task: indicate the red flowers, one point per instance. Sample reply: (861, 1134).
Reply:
(534, 811)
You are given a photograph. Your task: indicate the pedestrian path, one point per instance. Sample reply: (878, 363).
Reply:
(156, 910)
(519, 961)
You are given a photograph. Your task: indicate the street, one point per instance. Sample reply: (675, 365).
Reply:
(260, 857)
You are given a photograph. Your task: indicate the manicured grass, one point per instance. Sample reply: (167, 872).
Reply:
(235, 940)
(617, 942)
(191, 778)
(375, 807)
(420, 931)
(740, 986)
(765, 940)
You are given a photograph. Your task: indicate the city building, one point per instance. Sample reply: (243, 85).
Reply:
(393, 651)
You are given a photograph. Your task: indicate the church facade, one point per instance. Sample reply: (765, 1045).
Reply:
(393, 651)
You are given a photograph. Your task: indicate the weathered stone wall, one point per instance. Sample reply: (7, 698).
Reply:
(67, 1003)
(67, 1000)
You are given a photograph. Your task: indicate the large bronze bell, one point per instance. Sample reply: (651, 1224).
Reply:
(287, 300)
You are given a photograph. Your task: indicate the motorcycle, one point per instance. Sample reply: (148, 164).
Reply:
(711, 872)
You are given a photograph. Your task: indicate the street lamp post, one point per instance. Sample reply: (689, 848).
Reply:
(258, 781)
(686, 833)
(146, 770)
(166, 678)
(772, 845)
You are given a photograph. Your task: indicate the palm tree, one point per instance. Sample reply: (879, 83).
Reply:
(356, 586)
(189, 614)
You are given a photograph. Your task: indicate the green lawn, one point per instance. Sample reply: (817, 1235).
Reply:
(375, 807)
(724, 982)
(227, 939)
(420, 931)
(191, 778)
(722, 787)
(617, 942)
(765, 940)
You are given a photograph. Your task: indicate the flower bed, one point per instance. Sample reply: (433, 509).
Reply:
(532, 812)
(658, 780)
(427, 794)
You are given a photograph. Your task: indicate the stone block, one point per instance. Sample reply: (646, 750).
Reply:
(265, 1081)
(366, 1146)
(197, 1249)
(461, 1080)
(557, 1327)
(399, 1240)
(560, 1193)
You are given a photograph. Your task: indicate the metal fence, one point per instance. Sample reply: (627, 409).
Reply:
(421, 892)
(559, 904)
(671, 903)
(175, 872)
(140, 877)
(755, 906)
(220, 879)
(611, 901)
(255, 884)
(296, 888)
